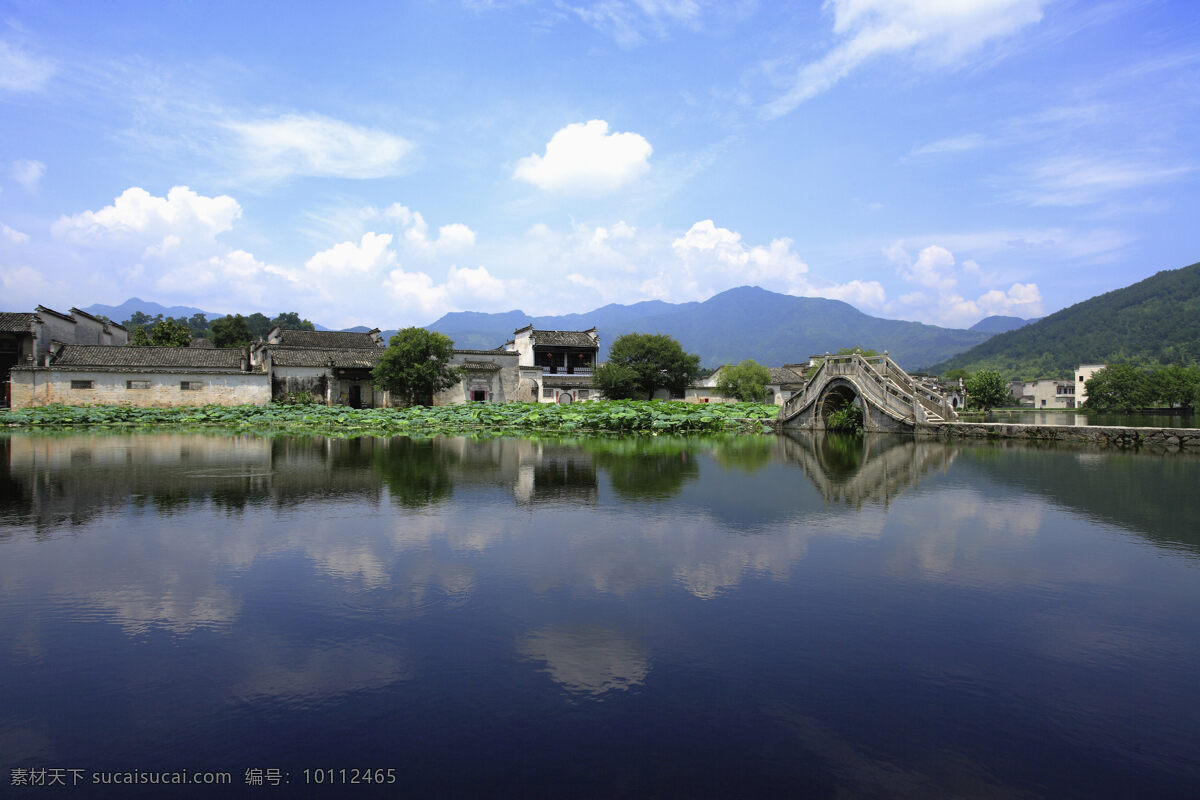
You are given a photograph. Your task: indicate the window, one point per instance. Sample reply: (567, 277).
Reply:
(137, 384)
(547, 392)
(83, 384)
(191, 386)
(583, 394)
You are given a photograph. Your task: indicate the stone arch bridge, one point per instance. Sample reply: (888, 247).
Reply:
(890, 398)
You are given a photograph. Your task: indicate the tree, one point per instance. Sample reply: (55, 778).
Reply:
(415, 365)
(641, 363)
(198, 325)
(231, 331)
(1174, 386)
(163, 333)
(259, 325)
(864, 352)
(1118, 387)
(290, 321)
(987, 389)
(745, 381)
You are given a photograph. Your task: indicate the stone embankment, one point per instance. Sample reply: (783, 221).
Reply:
(1103, 435)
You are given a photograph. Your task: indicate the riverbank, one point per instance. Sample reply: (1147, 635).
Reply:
(1121, 436)
(606, 416)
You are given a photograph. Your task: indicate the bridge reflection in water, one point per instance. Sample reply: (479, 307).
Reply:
(854, 470)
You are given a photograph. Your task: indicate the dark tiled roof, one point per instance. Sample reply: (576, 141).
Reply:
(782, 375)
(15, 322)
(330, 340)
(98, 355)
(497, 351)
(45, 310)
(352, 357)
(563, 338)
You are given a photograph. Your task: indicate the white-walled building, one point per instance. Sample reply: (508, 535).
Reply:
(1083, 374)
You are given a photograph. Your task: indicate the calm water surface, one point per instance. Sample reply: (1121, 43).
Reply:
(651, 617)
(1165, 419)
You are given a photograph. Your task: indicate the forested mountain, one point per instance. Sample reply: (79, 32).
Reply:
(999, 324)
(1155, 321)
(746, 322)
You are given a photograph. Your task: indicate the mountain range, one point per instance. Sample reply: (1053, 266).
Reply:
(745, 322)
(1154, 321)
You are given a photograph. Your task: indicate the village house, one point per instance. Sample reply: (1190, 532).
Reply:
(490, 376)
(79, 374)
(26, 338)
(1044, 393)
(565, 362)
(1083, 374)
(334, 367)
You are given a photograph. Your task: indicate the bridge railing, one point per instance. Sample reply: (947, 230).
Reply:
(887, 384)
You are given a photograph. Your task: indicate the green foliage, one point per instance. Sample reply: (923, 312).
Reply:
(297, 399)
(415, 365)
(641, 363)
(1153, 322)
(987, 389)
(163, 333)
(955, 375)
(652, 417)
(290, 321)
(746, 381)
(1174, 386)
(847, 418)
(864, 352)
(231, 331)
(1118, 387)
(259, 325)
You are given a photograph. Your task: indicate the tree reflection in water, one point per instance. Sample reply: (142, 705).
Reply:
(417, 472)
(653, 468)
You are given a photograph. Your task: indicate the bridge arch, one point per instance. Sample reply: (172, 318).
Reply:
(838, 393)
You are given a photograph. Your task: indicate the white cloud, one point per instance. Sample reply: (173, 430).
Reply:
(953, 144)
(27, 173)
(453, 238)
(311, 145)
(137, 213)
(372, 254)
(934, 33)
(584, 158)
(417, 291)
(631, 23)
(935, 270)
(12, 235)
(21, 72)
(1077, 180)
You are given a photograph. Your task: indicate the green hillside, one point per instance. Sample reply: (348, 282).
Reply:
(1155, 321)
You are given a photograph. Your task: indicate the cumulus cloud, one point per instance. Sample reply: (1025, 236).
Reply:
(137, 213)
(452, 238)
(463, 288)
(585, 159)
(311, 145)
(21, 72)
(933, 33)
(27, 173)
(936, 270)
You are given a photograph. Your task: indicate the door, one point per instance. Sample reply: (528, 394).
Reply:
(355, 396)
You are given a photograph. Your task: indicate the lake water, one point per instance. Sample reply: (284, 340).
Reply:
(1164, 419)
(641, 617)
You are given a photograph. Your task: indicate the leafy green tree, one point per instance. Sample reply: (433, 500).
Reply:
(163, 333)
(231, 331)
(862, 351)
(1118, 387)
(415, 365)
(746, 381)
(1174, 386)
(259, 325)
(290, 321)
(198, 325)
(641, 363)
(987, 389)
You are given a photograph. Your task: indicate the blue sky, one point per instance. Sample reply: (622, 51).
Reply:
(381, 164)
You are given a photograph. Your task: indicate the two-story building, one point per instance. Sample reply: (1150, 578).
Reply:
(26, 338)
(566, 360)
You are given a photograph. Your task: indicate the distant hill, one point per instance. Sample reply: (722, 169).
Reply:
(746, 322)
(125, 310)
(1155, 321)
(999, 324)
